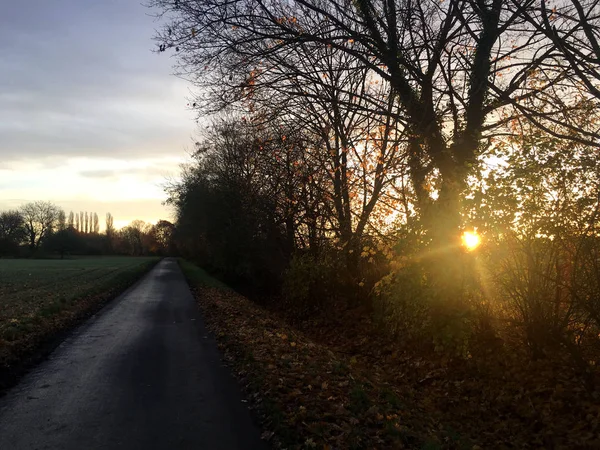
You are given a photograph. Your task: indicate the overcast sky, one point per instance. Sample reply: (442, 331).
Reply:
(90, 118)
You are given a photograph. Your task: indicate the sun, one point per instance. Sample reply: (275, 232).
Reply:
(471, 240)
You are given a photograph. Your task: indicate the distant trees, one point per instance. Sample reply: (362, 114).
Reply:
(12, 231)
(110, 232)
(95, 224)
(84, 222)
(40, 219)
(162, 234)
(64, 241)
(135, 238)
(110, 221)
(45, 228)
(61, 220)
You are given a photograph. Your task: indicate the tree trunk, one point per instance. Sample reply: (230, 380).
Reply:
(290, 229)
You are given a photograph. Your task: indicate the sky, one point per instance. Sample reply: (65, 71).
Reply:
(90, 118)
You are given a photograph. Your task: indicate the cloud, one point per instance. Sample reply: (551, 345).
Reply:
(129, 189)
(106, 173)
(90, 118)
(78, 78)
(149, 171)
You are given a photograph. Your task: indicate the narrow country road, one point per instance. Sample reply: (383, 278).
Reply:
(141, 374)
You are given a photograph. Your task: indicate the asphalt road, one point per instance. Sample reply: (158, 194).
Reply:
(141, 374)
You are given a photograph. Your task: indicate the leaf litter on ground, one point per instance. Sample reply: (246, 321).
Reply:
(363, 392)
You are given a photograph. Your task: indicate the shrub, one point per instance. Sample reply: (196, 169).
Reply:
(427, 309)
(313, 283)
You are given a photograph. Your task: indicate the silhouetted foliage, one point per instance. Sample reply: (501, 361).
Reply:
(12, 232)
(162, 237)
(226, 215)
(40, 219)
(66, 241)
(42, 229)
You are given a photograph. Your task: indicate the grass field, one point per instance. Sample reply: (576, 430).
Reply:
(40, 298)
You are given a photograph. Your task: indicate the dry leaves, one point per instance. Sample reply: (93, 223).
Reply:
(359, 392)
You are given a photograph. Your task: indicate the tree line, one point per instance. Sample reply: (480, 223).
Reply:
(84, 222)
(42, 228)
(353, 143)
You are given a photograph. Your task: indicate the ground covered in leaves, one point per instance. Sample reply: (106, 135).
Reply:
(344, 385)
(41, 299)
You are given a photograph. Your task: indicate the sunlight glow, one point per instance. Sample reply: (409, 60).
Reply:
(471, 240)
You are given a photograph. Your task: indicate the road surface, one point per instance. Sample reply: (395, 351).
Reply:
(141, 374)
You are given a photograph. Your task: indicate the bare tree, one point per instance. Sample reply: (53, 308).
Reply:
(110, 220)
(40, 218)
(573, 28)
(110, 231)
(61, 221)
(460, 71)
(350, 117)
(96, 224)
(77, 223)
(71, 220)
(134, 235)
(86, 223)
(12, 231)
(10, 223)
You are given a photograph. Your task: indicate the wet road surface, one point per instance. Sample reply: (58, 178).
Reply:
(141, 374)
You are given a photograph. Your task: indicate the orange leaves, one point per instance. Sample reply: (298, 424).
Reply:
(312, 388)
(368, 252)
(287, 20)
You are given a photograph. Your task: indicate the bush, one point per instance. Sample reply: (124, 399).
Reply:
(313, 284)
(550, 289)
(431, 302)
(528, 270)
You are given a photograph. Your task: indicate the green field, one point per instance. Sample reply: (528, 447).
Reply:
(39, 298)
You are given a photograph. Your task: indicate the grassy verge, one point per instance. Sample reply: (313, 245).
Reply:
(198, 277)
(42, 299)
(307, 394)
